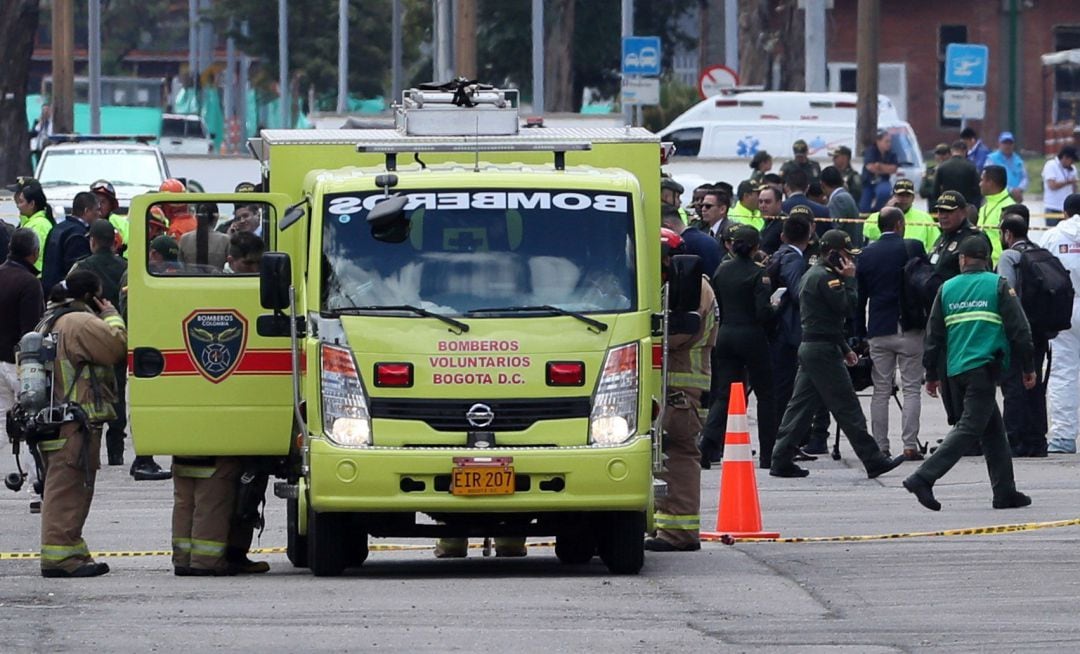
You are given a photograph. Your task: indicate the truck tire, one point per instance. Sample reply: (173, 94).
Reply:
(575, 548)
(296, 545)
(327, 534)
(357, 551)
(622, 542)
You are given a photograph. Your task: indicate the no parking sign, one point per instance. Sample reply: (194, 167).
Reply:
(715, 79)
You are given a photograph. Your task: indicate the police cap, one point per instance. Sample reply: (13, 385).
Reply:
(838, 239)
(950, 201)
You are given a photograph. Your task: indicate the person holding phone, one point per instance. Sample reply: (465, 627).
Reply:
(91, 341)
(826, 299)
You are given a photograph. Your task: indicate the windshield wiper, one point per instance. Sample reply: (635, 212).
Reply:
(591, 322)
(456, 324)
(59, 182)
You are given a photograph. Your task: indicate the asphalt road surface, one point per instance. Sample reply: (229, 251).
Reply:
(988, 593)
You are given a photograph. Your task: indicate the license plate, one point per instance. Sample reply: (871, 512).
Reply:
(482, 477)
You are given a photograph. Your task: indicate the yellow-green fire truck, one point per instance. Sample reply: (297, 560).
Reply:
(452, 332)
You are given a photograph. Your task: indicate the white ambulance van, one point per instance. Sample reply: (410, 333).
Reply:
(737, 126)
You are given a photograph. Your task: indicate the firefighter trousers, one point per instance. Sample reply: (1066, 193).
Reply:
(677, 515)
(69, 490)
(204, 497)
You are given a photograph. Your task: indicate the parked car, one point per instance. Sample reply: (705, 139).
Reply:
(185, 134)
(69, 168)
(737, 126)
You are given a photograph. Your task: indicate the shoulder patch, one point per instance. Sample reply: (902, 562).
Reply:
(835, 283)
(952, 246)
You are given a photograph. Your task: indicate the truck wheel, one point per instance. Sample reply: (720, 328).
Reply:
(622, 542)
(327, 532)
(296, 545)
(358, 543)
(575, 548)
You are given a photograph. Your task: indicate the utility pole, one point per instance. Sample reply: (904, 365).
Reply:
(731, 34)
(538, 57)
(230, 95)
(395, 52)
(866, 77)
(465, 38)
(814, 45)
(93, 64)
(63, 71)
(627, 30)
(193, 45)
(283, 64)
(343, 56)
(443, 71)
(245, 65)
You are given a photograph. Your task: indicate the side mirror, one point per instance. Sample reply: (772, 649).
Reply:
(275, 277)
(292, 214)
(388, 220)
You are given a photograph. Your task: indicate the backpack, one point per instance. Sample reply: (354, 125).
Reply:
(1045, 289)
(918, 288)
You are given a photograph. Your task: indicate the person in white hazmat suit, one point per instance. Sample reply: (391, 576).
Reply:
(1061, 390)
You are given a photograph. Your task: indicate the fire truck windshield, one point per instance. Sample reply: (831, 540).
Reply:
(476, 249)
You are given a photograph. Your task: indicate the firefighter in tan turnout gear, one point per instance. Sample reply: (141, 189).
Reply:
(689, 373)
(90, 340)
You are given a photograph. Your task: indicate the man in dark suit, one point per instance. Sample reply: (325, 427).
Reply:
(67, 243)
(842, 206)
(795, 185)
(896, 339)
(958, 174)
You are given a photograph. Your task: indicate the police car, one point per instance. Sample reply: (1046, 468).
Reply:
(68, 168)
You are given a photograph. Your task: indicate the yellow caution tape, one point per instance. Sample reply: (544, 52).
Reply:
(9, 556)
(969, 531)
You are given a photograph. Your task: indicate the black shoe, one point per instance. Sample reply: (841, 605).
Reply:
(710, 454)
(84, 570)
(146, 469)
(923, 492)
(661, 545)
(116, 459)
(816, 446)
(183, 571)
(203, 572)
(802, 455)
(246, 566)
(788, 470)
(1014, 501)
(884, 465)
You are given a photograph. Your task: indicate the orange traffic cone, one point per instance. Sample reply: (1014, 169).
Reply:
(739, 515)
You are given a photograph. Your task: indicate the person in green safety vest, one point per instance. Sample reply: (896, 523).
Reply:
(35, 214)
(993, 183)
(918, 224)
(746, 209)
(976, 325)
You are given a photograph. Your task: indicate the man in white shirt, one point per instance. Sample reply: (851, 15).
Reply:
(1063, 241)
(1059, 181)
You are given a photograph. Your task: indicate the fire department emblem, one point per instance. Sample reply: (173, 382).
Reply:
(215, 341)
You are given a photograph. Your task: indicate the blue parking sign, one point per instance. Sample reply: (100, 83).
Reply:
(641, 55)
(966, 64)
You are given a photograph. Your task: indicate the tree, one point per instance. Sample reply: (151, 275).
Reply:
(777, 28)
(18, 24)
(559, 56)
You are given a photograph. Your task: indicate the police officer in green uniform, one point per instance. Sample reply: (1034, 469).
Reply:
(742, 291)
(951, 210)
(975, 321)
(952, 213)
(827, 297)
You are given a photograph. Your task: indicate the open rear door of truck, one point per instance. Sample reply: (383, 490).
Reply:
(201, 379)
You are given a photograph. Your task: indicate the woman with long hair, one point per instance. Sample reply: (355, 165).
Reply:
(35, 214)
(742, 346)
